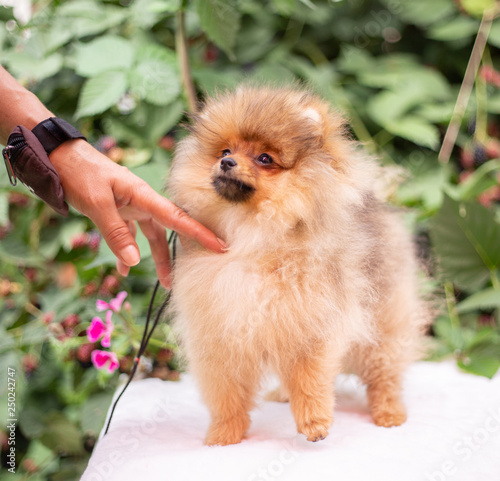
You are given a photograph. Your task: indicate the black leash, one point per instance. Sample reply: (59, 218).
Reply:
(146, 335)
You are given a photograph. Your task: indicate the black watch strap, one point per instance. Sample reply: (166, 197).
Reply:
(53, 131)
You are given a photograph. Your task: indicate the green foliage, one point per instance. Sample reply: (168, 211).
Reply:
(466, 238)
(113, 68)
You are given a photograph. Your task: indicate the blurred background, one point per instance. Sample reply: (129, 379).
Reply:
(113, 68)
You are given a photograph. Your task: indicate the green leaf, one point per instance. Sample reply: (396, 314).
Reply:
(456, 29)
(154, 173)
(426, 181)
(416, 130)
(423, 12)
(355, 60)
(61, 435)
(33, 334)
(466, 237)
(100, 93)
(272, 73)
(437, 113)
(387, 106)
(494, 102)
(478, 181)
(494, 35)
(146, 125)
(13, 250)
(147, 50)
(165, 6)
(477, 7)
(285, 7)
(220, 19)
(484, 299)
(479, 365)
(103, 54)
(156, 82)
(94, 412)
(87, 17)
(42, 456)
(402, 74)
(453, 336)
(28, 68)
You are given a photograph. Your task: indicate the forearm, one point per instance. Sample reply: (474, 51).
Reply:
(18, 106)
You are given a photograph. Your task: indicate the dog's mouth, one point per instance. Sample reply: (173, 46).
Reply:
(232, 189)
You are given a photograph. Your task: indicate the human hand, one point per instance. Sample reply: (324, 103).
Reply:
(114, 199)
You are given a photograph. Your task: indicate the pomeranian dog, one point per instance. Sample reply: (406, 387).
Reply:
(319, 276)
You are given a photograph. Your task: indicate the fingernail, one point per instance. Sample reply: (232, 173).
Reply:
(222, 243)
(130, 255)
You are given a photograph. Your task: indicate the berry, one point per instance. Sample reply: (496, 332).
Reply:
(489, 196)
(84, 351)
(16, 198)
(480, 156)
(164, 355)
(106, 143)
(167, 142)
(490, 75)
(48, 317)
(90, 289)
(467, 158)
(30, 362)
(109, 286)
(126, 363)
(492, 149)
(80, 240)
(29, 465)
(211, 54)
(94, 240)
(70, 321)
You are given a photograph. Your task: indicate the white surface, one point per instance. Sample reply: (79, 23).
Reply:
(452, 433)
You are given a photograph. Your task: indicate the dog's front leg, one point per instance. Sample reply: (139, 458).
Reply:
(310, 383)
(229, 394)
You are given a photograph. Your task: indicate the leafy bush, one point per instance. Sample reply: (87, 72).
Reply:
(118, 70)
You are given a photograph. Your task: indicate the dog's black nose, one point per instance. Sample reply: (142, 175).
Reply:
(227, 163)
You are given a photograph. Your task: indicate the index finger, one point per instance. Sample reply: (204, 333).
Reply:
(169, 215)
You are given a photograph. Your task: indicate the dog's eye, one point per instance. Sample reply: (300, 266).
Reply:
(265, 159)
(225, 153)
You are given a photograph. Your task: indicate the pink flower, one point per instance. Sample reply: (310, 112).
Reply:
(98, 329)
(114, 304)
(105, 359)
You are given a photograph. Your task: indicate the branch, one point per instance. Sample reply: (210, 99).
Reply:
(183, 56)
(467, 84)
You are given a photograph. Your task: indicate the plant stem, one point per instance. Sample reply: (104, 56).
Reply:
(183, 56)
(467, 84)
(481, 132)
(450, 304)
(495, 281)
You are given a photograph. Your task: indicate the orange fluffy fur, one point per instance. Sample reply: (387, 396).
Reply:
(319, 276)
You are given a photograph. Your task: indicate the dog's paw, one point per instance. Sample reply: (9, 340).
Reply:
(389, 418)
(314, 430)
(222, 433)
(217, 439)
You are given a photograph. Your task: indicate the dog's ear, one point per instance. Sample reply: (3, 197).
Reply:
(313, 124)
(312, 114)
